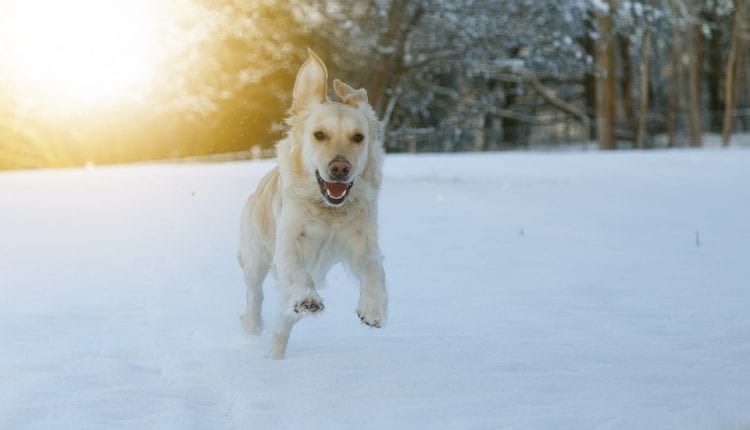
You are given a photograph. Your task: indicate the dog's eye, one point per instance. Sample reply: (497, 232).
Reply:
(319, 135)
(359, 137)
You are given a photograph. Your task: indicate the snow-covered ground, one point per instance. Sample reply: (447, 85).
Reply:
(528, 291)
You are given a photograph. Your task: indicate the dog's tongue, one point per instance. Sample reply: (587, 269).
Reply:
(336, 189)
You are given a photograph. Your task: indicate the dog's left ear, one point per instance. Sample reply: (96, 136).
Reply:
(311, 83)
(349, 95)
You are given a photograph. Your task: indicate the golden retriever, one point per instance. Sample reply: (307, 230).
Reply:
(318, 207)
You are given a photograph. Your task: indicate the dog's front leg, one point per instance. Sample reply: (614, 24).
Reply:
(297, 286)
(367, 263)
(373, 299)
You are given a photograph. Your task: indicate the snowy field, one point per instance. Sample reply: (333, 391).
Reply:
(580, 290)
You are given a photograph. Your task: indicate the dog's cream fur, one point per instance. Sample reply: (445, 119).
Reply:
(290, 225)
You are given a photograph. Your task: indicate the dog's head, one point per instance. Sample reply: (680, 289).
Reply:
(334, 141)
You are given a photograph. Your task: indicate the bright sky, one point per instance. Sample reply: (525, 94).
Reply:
(75, 53)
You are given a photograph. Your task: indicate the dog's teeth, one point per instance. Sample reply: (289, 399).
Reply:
(328, 193)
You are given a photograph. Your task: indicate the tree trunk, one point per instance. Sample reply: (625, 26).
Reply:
(696, 75)
(626, 84)
(645, 73)
(511, 127)
(730, 87)
(388, 43)
(606, 87)
(673, 102)
(401, 20)
(388, 113)
(714, 68)
(589, 77)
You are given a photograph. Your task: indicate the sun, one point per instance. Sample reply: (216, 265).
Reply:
(74, 53)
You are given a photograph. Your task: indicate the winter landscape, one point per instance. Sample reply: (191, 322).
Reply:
(536, 282)
(565, 290)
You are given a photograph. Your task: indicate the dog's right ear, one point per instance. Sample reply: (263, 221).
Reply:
(349, 96)
(311, 83)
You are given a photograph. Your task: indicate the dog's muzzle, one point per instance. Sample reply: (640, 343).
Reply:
(334, 192)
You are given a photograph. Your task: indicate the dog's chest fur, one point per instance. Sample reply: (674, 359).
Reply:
(328, 234)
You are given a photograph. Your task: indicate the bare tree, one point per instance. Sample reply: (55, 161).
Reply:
(675, 80)
(739, 33)
(644, 88)
(607, 77)
(626, 80)
(696, 77)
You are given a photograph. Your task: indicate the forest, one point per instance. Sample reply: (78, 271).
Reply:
(444, 76)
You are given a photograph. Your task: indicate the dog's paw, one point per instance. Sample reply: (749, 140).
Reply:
(309, 305)
(372, 317)
(372, 311)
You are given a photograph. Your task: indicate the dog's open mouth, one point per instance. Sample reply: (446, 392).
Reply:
(333, 192)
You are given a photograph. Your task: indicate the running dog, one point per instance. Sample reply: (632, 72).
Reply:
(318, 207)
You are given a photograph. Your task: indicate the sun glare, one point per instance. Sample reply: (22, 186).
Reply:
(79, 52)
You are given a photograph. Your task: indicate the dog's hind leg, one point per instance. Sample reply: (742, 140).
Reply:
(255, 270)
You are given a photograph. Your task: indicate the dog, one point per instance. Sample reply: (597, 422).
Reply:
(317, 207)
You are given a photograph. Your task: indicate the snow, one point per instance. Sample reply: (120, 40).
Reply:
(528, 291)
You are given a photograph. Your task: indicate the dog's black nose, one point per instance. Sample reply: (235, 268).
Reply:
(339, 168)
